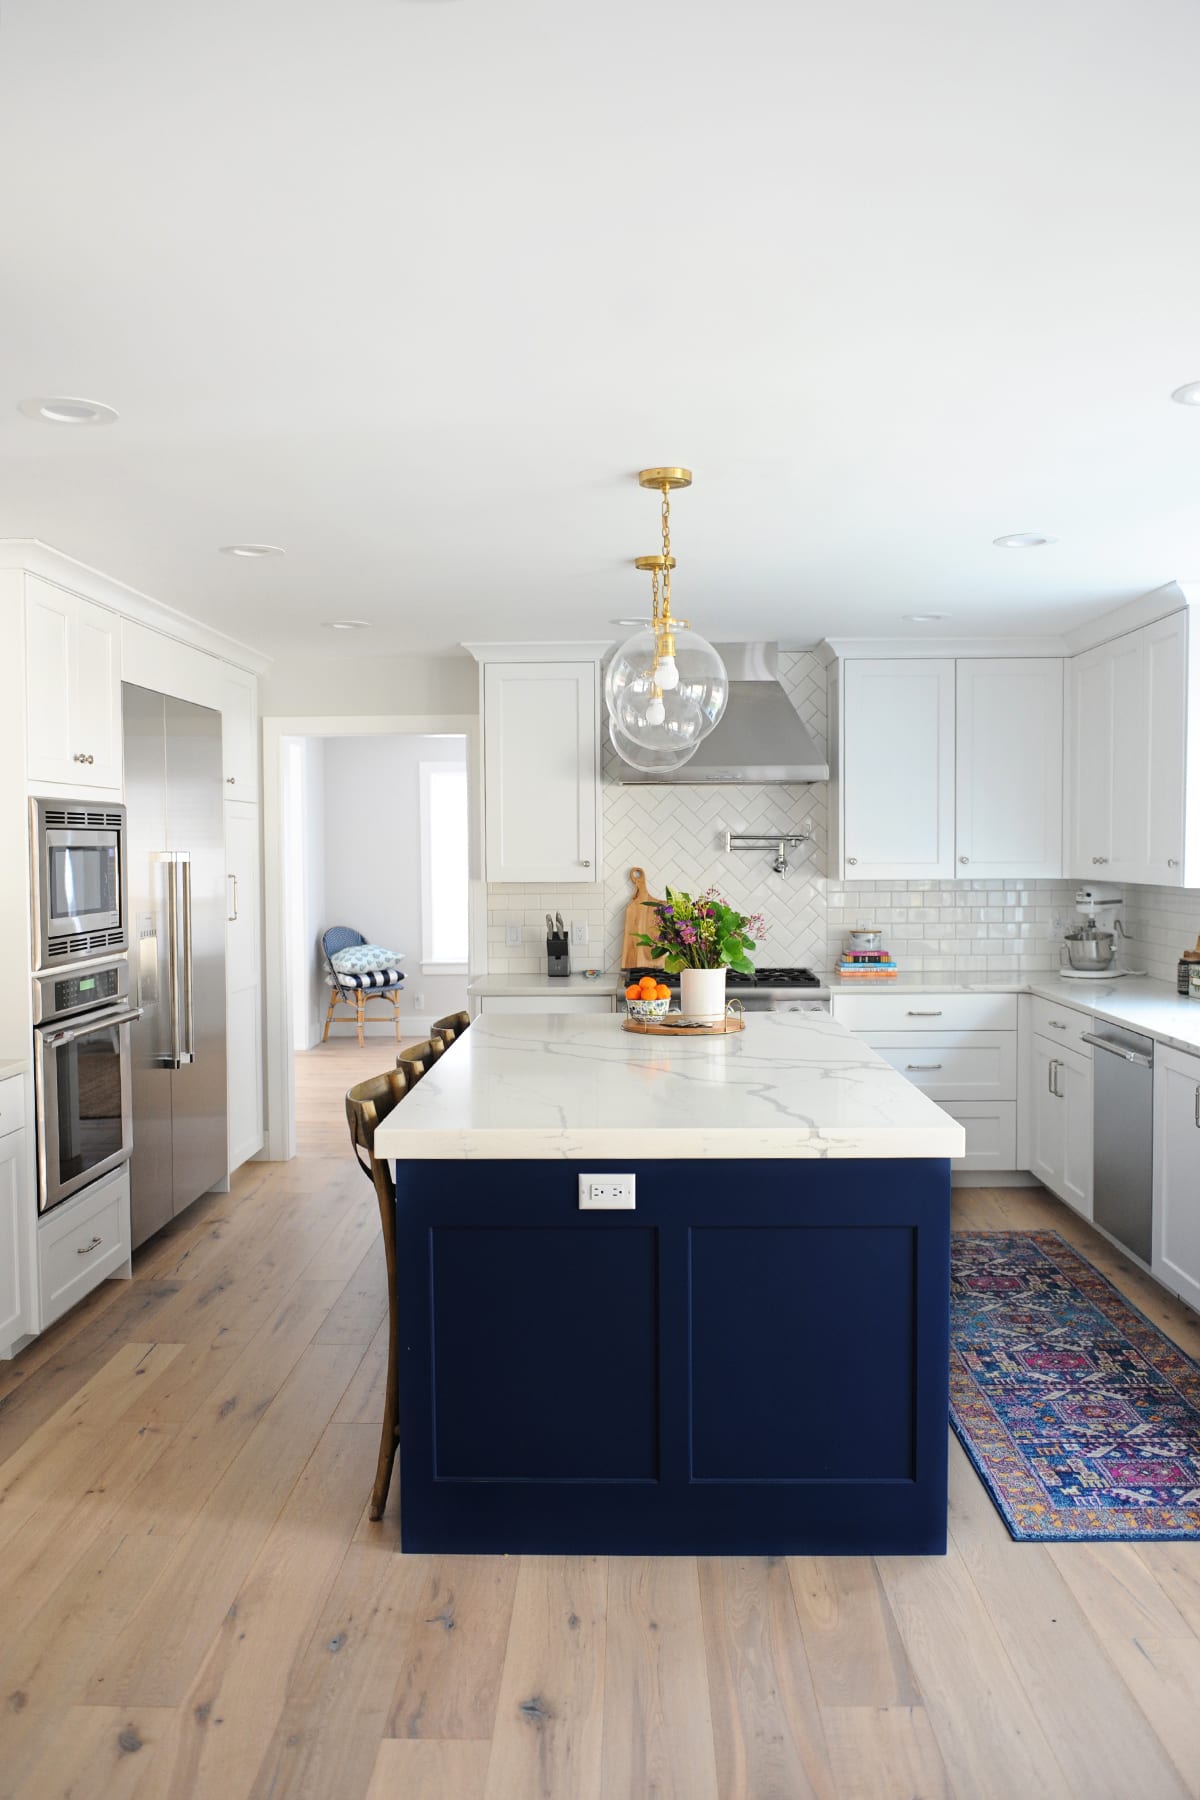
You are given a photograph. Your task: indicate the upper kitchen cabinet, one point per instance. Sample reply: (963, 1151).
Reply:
(896, 770)
(541, 758)
(239, 733)
(73, 691)
(1128, 749)
(1009, 756)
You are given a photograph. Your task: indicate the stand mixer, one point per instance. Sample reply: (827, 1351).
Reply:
(1092, 948)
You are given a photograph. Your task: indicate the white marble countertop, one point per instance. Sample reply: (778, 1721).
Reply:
(540, 1085)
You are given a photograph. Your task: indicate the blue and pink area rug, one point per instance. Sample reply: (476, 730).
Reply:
(1081, 1417)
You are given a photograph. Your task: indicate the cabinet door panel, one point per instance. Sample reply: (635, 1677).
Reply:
(1008, 787)
(1166, 727)
(241, 897)
(1091, 760)
(1074, 1082)
(541, 756)
(96, 694)
(13, 1321)
(1130, 731)
(898, 770)
(48, 618)
(239, 734)
(1047, 1137)
(1176, 1254)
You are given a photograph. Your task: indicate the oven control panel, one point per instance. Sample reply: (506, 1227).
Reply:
(85, 988)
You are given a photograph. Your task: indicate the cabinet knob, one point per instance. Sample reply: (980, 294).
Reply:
(1097, 860)
(232, 780)
(1171, 863)
(587, 862)
(852, 859)
(79, 757)
(964, 859)
(91, 759)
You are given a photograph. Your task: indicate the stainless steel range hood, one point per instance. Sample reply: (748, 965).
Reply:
(761, 738)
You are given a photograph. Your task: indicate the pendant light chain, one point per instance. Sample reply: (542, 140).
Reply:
(666, 550)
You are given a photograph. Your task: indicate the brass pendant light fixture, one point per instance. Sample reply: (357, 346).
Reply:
(666, 687)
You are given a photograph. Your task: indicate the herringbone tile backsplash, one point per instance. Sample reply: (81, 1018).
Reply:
(675, 834)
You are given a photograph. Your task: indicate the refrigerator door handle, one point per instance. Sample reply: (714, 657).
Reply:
(231, 918)
(187, 1053)
(170, 862)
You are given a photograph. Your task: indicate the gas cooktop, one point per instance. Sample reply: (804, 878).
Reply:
(761, 978)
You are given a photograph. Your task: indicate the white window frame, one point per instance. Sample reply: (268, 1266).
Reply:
(428, 964)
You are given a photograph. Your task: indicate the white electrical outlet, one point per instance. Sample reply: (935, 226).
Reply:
(579, 933)
(419, 1002)
(512, 937)
(607, 1193)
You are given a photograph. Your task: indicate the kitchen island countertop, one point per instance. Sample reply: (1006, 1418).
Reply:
(791, 1085)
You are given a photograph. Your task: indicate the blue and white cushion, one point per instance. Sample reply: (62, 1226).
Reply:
(369, 978)
(366, 959)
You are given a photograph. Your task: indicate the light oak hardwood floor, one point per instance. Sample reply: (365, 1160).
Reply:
(194, 1604)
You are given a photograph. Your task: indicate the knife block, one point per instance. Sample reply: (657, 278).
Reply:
(558, 956)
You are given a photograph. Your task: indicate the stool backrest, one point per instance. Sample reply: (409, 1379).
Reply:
(368, 1103)
(450, 1028)
(418, 1059)
(339, 937)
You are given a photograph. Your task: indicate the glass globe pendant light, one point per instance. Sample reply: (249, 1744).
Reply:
(666, 687)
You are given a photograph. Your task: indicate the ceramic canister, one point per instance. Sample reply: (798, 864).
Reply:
(866, 938)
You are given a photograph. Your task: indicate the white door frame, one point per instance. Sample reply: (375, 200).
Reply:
(279, 1074)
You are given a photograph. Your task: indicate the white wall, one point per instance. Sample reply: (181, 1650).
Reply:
(345, 686)
(305, 838)
(372, 857)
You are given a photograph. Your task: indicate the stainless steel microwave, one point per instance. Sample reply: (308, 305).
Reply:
(78, 896)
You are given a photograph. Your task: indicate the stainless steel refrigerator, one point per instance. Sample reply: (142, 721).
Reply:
(176, 873)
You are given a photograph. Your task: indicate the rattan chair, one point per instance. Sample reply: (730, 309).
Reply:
(418, 1059)
(367, 1105)
(450, 1028)
(355, 990)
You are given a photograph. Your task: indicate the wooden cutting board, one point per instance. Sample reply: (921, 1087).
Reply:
(638, 918)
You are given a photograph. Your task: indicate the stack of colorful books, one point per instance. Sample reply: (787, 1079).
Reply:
(867, 965)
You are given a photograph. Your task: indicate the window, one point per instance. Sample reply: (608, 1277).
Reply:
(444, 840)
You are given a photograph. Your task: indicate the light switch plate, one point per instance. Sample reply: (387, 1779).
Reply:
(607, 1193)
(512, 937)
(579, 933)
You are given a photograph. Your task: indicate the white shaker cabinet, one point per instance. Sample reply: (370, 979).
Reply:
(243, 987)
(15, 1318)
(1060, 1136)
(897, 769)
(73, 690)
(541, 758)
(1009, 750)
(1127, 756)
(1175, 1257)
(239, 733)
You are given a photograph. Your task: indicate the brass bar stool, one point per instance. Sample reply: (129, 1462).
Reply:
(367, 1105)
(450, 1028)
(418, 1059)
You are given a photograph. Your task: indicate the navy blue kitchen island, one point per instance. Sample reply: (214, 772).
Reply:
(751, 1359)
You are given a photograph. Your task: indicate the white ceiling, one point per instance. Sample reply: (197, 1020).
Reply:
(412, 287)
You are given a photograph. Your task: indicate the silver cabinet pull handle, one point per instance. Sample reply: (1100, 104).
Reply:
(86, 1249)
(1058, 1024)
(231, 780)
(922, 1067)
(1099, 859)
(189, 1023)
(231, 918)
(1197, 1108)
(910, 1014)
(1050, 1068)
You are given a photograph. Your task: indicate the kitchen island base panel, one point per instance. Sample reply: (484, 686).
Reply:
(738, 1366)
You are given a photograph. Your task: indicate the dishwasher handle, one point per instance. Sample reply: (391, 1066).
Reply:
(1133, 1056)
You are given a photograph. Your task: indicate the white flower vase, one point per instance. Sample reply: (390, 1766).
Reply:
(702, 994)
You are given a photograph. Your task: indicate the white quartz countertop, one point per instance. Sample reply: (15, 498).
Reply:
(543, 1085)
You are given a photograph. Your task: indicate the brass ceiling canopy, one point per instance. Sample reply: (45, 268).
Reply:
(654, 562)
(664, 479)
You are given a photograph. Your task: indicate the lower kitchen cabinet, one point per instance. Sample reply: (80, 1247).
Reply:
(991, 1128)
(1060, 1136)
(1176, 1250)
(243, 991)
(14, 1310)
(82, 1242)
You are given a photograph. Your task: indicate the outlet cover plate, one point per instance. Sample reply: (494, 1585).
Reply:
(607, 1193)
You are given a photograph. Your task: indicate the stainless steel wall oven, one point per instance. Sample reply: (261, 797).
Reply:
(83, 1076)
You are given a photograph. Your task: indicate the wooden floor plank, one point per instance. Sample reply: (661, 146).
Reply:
(854, 1650)
(101, 1753)
(454, 1659)
(658, 1738)
(884, 1753)
(548, 1734)
(424, 1769)
(767, 1729)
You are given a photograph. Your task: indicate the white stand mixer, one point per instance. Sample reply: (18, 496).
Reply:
(1092, 948)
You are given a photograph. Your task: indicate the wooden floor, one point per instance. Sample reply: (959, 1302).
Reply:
(194, 1604)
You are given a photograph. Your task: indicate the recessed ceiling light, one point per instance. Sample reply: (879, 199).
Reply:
(1188, 394)
(251, 550)
(1023, 540)
(67, 409)
(347, 624)
(924, 618)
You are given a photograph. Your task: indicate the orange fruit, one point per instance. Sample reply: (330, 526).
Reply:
(633, 992)
(648, 984)
(662, 992)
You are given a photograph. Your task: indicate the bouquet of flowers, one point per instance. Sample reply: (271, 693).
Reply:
(703, 933)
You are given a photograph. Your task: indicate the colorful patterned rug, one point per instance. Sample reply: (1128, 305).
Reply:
(1081, 1417)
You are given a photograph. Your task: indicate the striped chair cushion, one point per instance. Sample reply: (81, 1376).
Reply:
(370, 978)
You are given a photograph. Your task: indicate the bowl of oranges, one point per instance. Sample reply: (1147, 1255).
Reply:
(648, 998)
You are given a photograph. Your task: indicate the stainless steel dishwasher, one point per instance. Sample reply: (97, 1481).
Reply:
(1123, 1134)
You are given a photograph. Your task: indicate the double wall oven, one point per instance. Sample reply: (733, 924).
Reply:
(81, 1008)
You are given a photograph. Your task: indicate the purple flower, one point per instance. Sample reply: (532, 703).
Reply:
(688, 933)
